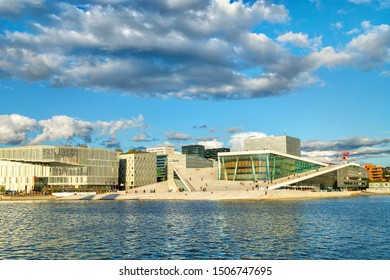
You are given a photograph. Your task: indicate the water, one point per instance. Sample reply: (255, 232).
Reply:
(348, 228)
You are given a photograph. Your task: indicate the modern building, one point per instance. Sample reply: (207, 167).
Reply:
(213, 153)
(186, 161)
(379, 187)
(285, 170)
(58, 168)
(162, 161)
(262, 165)
(284, 144)
(161, 151)
(198, 150)
(375, 172)
(346, 177)
(137, 169)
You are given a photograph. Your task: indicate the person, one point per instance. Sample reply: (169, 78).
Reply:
(266, 190)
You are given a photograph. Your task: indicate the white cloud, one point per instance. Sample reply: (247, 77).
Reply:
(337, 25)
(111, 127)
(14, 128)
(183, 49)
(63, 127)
(366, 24)
(236, 141)
(353, 31)
(15, 7)
(372, 47)
(212, 144)
(296, 39)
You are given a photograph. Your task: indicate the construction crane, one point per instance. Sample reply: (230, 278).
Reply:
(345, 156)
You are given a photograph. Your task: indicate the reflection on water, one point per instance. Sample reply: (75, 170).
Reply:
(354, 228)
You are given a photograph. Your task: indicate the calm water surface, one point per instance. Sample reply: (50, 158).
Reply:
(352, 228)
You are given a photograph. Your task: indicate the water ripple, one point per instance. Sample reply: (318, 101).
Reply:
(354, 228)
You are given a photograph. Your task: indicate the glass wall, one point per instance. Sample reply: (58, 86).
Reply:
(261, 167)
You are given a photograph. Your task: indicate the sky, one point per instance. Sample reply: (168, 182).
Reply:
(141, 73)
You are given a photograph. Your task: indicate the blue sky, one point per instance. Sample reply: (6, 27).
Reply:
(128, 74)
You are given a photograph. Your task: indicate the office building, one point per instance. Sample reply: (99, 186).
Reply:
(213, 153)
(162, 161)
(58, 168)
(137, 169)
(198, 150)
(186, 161)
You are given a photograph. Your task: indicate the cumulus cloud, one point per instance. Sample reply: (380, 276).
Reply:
(297, 39)
(183, 49)
(211, 144)
(236, 141)
(16, 7)
(112, 127)
(14, 128)
(63, 127)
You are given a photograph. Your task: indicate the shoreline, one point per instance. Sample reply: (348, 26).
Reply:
(206, 196)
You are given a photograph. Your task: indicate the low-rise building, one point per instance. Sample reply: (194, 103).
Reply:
(380, 187)
(375, 172)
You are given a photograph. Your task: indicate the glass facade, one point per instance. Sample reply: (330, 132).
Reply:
(260, 166)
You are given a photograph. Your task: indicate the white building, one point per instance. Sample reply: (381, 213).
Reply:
(54, 168)
(161, 151)
(186, 161)
(137, 169)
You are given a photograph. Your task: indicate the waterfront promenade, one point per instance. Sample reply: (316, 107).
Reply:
(212, 195)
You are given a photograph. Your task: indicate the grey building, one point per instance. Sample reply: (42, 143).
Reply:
(284, 144)
(198, 150)
(213, 153)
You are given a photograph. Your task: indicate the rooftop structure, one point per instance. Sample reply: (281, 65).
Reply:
(161, 151)
(284, 144)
